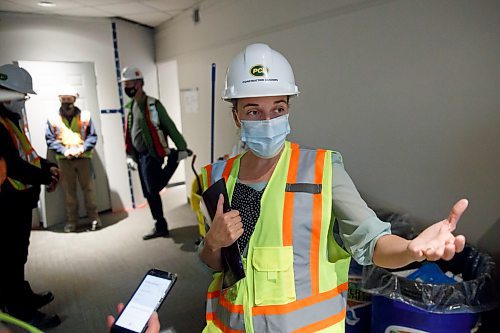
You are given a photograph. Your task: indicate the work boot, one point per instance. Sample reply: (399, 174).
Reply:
(42, 321)
(37, 300)
(156, 233)
(70, 227)
(34, 317)
(95, 225)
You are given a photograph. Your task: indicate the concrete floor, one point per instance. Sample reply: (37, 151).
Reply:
(90, 272)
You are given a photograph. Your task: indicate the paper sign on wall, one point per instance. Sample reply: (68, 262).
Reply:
(190, 99)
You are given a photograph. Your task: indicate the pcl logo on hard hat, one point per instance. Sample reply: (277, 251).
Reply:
(259, 70)
(3, 77)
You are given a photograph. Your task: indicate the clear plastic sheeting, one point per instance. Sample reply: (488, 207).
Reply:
(476, 293)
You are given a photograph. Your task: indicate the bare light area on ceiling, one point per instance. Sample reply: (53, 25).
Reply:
(146, 12)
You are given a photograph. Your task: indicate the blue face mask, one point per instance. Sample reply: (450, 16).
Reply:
(265, 138)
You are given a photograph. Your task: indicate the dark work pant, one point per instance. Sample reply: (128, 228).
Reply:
(153, 179)
(15, 229)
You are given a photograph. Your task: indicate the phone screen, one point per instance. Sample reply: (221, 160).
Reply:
(147, 298)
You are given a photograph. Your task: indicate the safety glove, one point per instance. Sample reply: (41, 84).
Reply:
(184, 154)
(131, 164)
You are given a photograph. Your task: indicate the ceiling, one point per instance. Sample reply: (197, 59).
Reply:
(147, 12)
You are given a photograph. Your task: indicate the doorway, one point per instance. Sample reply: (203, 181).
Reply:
(48, 78)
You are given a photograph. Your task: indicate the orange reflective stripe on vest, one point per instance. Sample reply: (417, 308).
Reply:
(220, 310)
(228, 168)
(209, 175)
(3, 170)
(300, 304)
(303, 314)
(26, 151)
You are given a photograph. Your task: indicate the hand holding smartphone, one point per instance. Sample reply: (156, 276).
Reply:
(153, 325)
(146, 299)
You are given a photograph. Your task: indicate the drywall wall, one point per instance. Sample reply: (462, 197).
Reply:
(74, 39)
(406, 90)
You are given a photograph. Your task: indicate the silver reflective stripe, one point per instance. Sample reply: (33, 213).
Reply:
(84, 120)
(155, 119)
(217, 170)
(295, 320)
(235, 321)
(153, 112)
(302, 225)
(306, 168)
(212, 304)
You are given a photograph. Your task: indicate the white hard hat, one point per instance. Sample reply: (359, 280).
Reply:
(259, 71)
(10, 95)
(131, 73)
(16, 78)
(68, 91)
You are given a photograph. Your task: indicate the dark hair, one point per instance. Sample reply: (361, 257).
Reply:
(234, 102)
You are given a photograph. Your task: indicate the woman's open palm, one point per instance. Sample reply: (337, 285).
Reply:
(437, 241)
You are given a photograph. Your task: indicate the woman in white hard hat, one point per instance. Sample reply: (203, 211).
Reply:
(283, 197)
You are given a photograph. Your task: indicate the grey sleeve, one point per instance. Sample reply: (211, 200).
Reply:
(359, 227)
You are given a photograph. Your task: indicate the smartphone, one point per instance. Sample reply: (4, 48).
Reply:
(146, 299)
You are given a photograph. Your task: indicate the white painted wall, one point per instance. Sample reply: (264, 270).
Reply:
(113, 146)
(407, 90)
(59, 38)
(137, 48)
(45, 38)
(170, 98)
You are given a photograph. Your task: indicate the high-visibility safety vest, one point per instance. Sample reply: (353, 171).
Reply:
(159, 142)
(71, 134)
(26, 151)
(296, 274)
(155, 121)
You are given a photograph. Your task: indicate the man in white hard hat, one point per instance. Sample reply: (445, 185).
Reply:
(285, 200)
(148, 126)
(21, 174)
(71, 135)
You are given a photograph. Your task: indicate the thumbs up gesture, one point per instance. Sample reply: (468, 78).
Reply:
(226, 228)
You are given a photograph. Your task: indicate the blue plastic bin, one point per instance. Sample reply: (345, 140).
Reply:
(359, 306)
(402, 305)
(391, 316)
